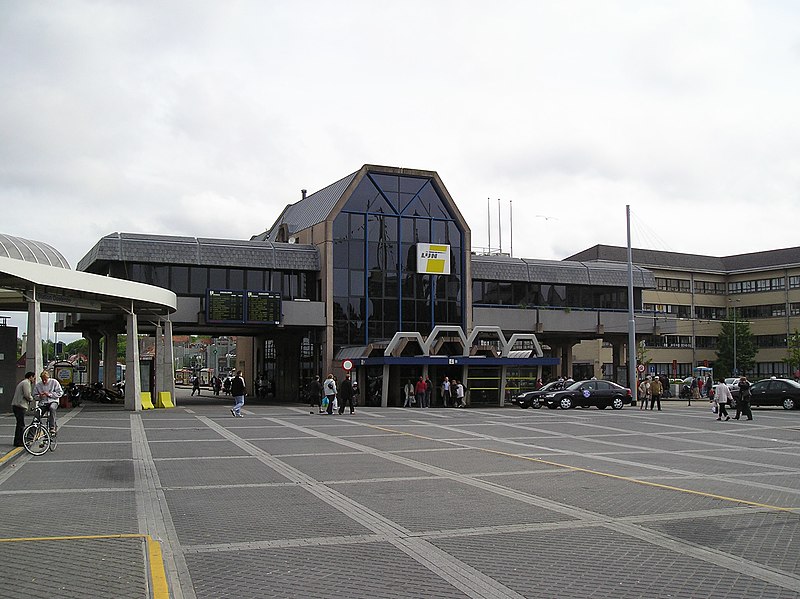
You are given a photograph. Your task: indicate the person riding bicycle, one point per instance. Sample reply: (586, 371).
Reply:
(47, 392)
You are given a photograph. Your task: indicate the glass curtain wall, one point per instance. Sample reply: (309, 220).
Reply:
(376, 288)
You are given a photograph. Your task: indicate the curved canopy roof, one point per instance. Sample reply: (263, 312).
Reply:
(31, 251)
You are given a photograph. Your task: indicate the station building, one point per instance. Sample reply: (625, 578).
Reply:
(377, 269)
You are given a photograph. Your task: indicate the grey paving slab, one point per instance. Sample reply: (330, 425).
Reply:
(370, 571)
(118, 569)
(306, 445)
(618, 464)
(73, 433)
(38, 475)
(348, 467)
(762, 490)
(244, 514)
(193, 449)
(737, 439)
(595, 563)
(611, 497)
(475, 460)
(425, 505)
(215, 471)
(182, 432)
(697, 464)
(394, 442)
(88, 450)
(768, 538)
(68, 514)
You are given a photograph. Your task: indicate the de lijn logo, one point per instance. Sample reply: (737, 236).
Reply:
(433, 259)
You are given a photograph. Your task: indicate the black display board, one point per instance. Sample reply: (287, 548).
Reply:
(224, 305)
(263, 307)
(240, 306)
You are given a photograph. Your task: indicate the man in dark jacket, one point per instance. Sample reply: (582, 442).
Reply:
(238, 392)
(346, 394)
(743, 404)
(315, 393)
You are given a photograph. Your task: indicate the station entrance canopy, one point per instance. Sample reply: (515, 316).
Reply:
(35, 277)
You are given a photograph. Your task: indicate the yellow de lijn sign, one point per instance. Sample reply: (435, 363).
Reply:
(433, 259)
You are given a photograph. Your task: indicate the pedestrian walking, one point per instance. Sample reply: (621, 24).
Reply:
(722, 395)
(709, 385)
(655, 393)
(428, 391)
(238, 390)
(346, 394)
(196, 385)
(21, 403)
(216, 385)
(329, 388)
(419, 392)
(743, 404)
(459, 403)
(315, 394)
(408, 393)
(446, 392)
(644, 393)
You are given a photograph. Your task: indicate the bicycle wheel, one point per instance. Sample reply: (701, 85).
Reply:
(36, 439)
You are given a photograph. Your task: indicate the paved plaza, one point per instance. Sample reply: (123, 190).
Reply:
(393, 503)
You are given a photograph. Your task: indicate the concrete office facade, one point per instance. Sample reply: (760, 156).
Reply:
(693, 294)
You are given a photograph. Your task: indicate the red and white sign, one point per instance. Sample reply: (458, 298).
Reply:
(640, 368)
(347, 365)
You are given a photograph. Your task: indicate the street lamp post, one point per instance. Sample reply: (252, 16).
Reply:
(734, 335)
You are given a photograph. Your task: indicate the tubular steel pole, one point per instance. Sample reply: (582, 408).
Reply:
(631, 321)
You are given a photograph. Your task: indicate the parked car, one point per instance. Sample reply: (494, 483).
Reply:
(532, 399)
(589, 393)
(775, 392)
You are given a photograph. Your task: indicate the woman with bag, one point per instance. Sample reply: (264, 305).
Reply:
(722, 395)
(408, 391)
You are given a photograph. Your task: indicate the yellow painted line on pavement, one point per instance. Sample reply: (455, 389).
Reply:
(605, 474)
(158, 575)
(10, 454)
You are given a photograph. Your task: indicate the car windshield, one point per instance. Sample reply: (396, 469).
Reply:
(552, 385)
(731, 381)
(575, 386)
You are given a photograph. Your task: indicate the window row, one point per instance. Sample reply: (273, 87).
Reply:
(709, 288)
(196, 280)
(524, 294)
(677, 310)
(676, 341)
(757, 285)
(681, 285)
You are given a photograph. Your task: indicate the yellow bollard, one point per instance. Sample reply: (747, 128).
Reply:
(164, 400)
(147, 401)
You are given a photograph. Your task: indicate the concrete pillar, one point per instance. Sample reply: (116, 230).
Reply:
(466, 385)
(503, 380)
(93, 357)
(168, 364)
(616, 358)
(566, 360)
(110, 358)
(133, 379)
(158, 358)
(33, 346)
(385, 387)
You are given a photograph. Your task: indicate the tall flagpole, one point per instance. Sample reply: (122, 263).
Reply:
(631, 322)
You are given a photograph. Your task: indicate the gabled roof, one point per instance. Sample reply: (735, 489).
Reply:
(28, 250)
(784, 257)
(560, 272)
(166, 249)
(309, 211)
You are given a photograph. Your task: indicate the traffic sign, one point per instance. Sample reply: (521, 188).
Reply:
(347, 365)
(640, 367)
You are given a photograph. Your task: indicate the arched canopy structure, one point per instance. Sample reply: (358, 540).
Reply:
(36, 277)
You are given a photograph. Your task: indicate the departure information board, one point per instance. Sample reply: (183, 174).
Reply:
(263, 307)
(240, 306)
(225, 306)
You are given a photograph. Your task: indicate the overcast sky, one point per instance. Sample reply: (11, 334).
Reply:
(207, 118)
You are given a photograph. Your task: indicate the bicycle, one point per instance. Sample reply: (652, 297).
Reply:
(36, 438)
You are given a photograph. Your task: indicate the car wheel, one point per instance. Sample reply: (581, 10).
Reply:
(565, 403)
(788, 403)
(617, 403)
(536, 404)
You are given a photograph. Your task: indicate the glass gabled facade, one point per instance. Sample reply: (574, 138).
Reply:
(376, 288)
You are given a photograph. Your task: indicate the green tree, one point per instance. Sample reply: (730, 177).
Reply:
(793, 351)
(81, 346)
(745, 349)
